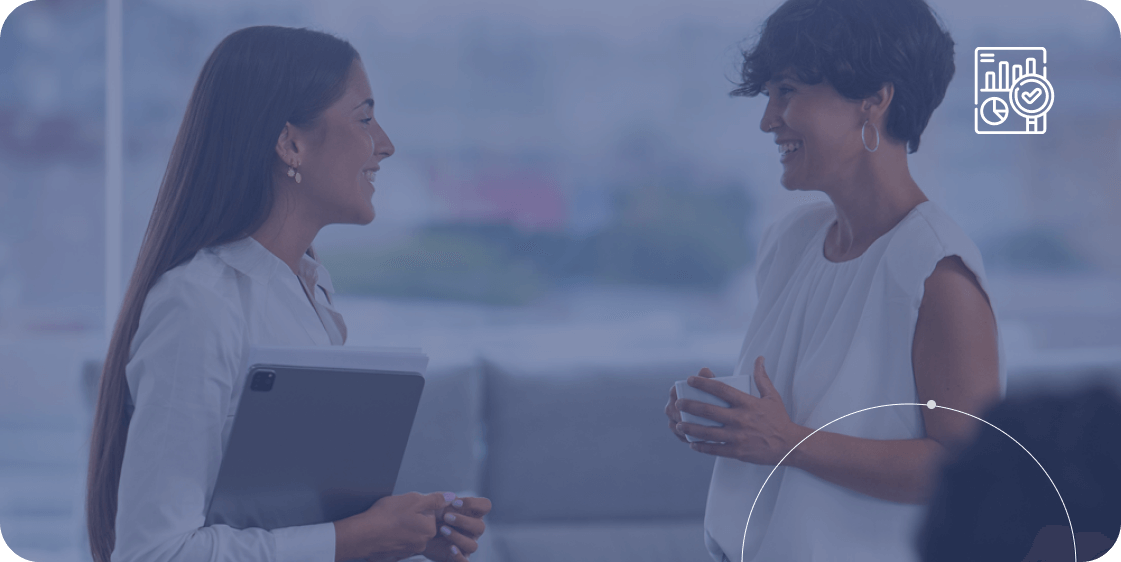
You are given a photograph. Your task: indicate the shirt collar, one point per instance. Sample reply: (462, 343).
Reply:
(256, 261)
(314, 273)
(251, 258)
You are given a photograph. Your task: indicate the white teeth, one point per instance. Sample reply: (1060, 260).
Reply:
(789, 147)
(370, 175)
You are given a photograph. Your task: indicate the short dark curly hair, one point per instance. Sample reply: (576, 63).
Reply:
(858, 46)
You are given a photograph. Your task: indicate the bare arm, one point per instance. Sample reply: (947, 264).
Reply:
(955, 361)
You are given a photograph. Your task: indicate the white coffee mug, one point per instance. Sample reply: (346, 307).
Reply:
(684, 391)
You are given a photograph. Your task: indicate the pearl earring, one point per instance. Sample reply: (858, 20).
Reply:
(294, 173)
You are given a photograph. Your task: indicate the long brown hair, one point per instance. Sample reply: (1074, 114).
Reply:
(218, 188)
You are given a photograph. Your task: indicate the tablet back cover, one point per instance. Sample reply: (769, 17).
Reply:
(313, 445)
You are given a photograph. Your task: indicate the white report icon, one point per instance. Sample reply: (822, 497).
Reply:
(1011, 93)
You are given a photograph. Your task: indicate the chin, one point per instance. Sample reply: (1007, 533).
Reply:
(367, 217)
(797, 184)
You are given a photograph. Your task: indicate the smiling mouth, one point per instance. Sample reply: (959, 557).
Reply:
(370, 176)
(789, 147)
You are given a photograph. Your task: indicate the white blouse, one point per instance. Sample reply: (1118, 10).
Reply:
(185, 374)
(836, 338)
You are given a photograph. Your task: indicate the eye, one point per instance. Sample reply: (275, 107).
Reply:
(367, 120)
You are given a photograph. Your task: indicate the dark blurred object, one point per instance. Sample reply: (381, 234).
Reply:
(994, 503)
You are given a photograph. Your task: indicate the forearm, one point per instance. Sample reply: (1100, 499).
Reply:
(899, 470)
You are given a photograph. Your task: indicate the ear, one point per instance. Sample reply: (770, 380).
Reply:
(286, 146)
(875, 106)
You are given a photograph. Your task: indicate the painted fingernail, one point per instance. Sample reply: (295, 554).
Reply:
(449, 517)
(448, 496)
(458, 503)
(455, 550)
(445, 530)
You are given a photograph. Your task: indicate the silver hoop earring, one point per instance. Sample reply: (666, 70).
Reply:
(294, 173)
(864, 142)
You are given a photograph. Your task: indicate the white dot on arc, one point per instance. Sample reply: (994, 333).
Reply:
(931, 404)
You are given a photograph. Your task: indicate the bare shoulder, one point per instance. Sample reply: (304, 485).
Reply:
(955, 314)
(955, 351)
(954, 283)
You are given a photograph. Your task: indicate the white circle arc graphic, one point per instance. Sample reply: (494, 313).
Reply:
(743, 546)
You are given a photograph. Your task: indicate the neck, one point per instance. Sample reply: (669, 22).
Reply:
(287, 233)
(877, 195)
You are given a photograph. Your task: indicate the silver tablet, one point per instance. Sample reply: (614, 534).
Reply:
(313, 445)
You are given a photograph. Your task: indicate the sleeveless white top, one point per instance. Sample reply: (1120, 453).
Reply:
(836, 338)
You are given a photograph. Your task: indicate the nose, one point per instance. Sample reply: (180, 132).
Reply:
(771, 117)
(383, 147)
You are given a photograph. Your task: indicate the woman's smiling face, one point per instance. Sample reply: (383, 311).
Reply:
(817, 130)
(344, 152)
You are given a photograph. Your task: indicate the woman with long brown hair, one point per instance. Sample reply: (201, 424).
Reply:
(278, 141)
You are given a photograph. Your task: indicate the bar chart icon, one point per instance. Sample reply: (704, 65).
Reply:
(1011, 94)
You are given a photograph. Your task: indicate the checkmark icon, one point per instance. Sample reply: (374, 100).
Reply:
(1031, 96)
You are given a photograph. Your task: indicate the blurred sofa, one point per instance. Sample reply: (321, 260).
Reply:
(579, 462)
(578, 459)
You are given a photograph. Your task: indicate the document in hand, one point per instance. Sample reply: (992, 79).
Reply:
(318, 435)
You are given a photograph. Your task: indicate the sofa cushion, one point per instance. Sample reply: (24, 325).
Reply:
(662, 541)
(588, 444)
(445, 446)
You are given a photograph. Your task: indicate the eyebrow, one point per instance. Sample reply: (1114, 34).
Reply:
(369, 102)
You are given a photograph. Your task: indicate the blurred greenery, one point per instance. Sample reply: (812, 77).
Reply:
(437, 265)
(672, 237)
(690, 239)
(1032, 250)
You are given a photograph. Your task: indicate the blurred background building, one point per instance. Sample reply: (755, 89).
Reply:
(572, 183)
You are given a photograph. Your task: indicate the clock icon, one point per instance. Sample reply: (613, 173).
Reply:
(994, 111)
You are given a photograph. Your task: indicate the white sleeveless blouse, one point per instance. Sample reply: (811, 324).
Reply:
(836, 338)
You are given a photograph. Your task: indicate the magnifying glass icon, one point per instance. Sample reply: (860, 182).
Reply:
(1031, 96)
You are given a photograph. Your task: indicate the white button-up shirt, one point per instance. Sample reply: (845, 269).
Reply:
(186, 372)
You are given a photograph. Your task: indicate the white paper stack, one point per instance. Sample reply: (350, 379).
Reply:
(403, 359)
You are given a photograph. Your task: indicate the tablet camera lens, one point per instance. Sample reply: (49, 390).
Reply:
(262, 381)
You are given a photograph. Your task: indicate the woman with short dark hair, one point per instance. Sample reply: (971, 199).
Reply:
(278, 141)
(875, 297)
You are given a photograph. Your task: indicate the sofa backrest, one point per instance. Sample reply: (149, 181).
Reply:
(445, 450)
(566, 444)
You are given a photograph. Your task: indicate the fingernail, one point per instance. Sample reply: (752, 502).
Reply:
(448, 496)
(458, 503)
(455, 550)
(445, 530)
(449, 517)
